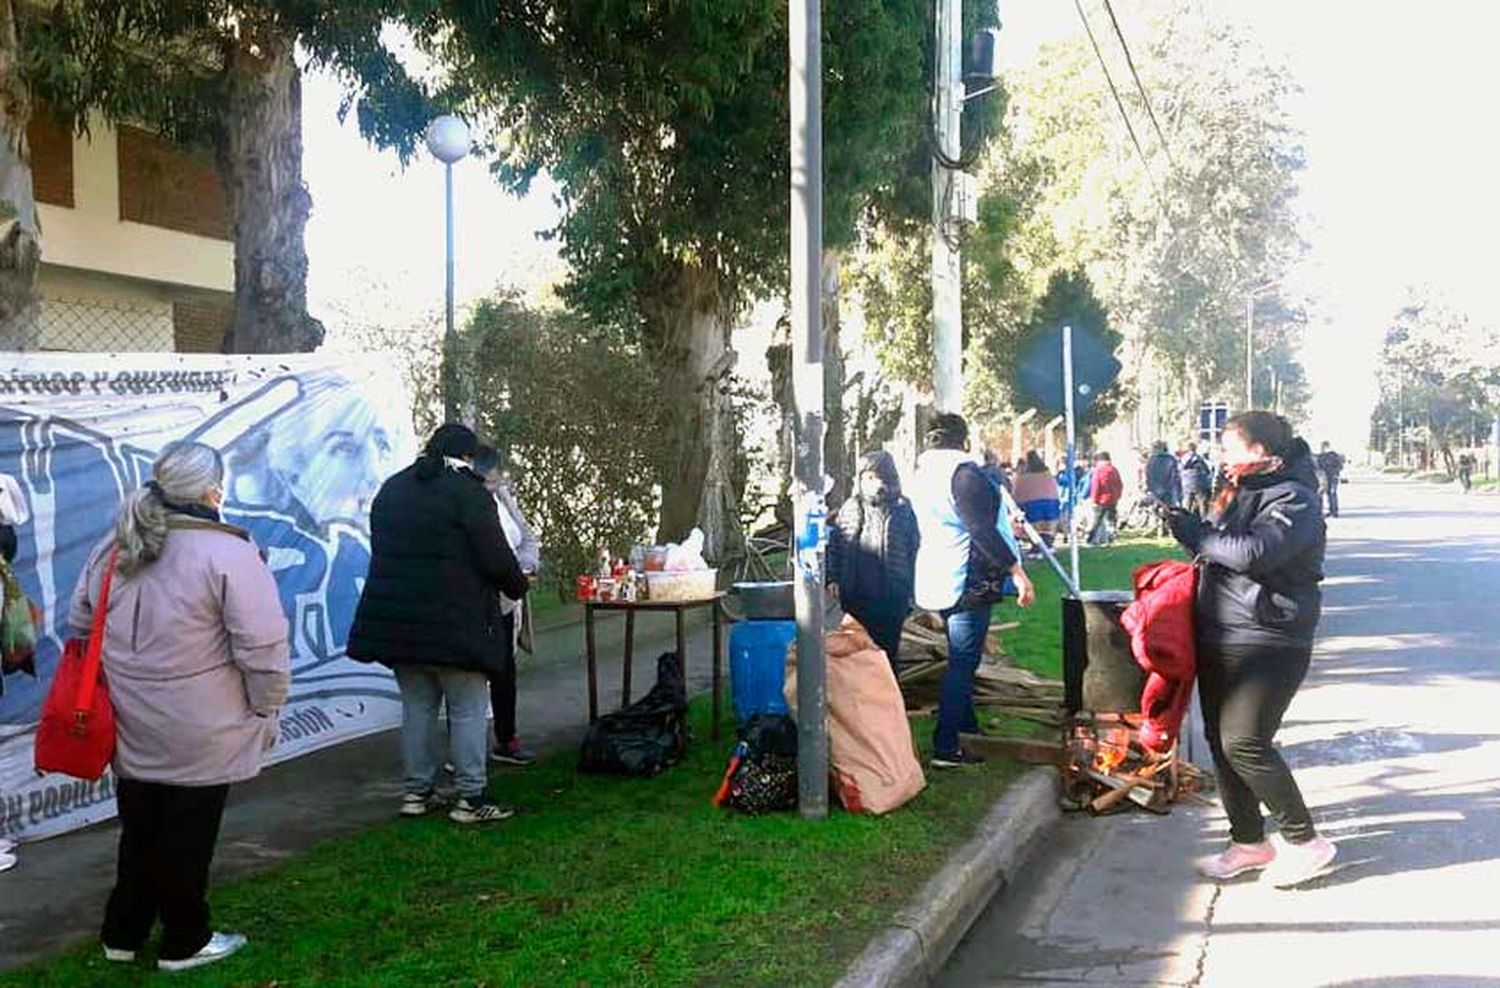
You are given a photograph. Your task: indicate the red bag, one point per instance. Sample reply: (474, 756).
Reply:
(76, 735)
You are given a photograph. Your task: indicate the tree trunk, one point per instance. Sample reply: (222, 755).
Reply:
(837, 463)
(260, 160)
(20, 237)
(688, 339)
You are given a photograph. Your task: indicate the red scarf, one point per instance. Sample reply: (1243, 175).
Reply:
(1237, 473)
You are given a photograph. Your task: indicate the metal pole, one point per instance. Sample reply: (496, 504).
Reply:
(1015, 514)
(1249, 355)
(454, 407)
(947, 287)
(806, 97)
(1072, 448)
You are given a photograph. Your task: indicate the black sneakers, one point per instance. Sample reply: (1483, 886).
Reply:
(956, 759)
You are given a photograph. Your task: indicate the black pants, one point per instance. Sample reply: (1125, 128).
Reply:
(167, 837)
(883, 619)
(1106, 520)
(1245, 691)
(503, 687)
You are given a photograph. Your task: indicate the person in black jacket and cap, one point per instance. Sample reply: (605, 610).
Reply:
(872, 553)
(431, 611)
(1260, 560)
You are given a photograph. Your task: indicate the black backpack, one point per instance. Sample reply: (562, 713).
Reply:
(645, 738)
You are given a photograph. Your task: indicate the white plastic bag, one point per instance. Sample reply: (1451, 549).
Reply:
(688, 556)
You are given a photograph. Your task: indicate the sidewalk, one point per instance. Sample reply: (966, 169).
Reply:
(55, 896)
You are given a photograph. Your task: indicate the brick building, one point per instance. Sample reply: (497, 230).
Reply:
(137, 241)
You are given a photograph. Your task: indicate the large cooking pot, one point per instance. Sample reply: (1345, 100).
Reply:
(771, 600)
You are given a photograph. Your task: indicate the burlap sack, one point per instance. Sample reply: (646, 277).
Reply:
(872, 760)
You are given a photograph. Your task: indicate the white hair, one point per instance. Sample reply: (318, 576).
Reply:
(183, 473)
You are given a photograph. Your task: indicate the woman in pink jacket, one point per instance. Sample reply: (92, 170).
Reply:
(195, 653)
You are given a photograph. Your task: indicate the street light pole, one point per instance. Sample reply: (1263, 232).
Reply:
(947, 269)
(805, 92)
(448, 139)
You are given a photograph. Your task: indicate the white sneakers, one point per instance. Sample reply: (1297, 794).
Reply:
(1285, 864)
(219, 946)
(1297, 863)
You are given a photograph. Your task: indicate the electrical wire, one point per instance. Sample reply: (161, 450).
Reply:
(1120, 105)
(1166, 147)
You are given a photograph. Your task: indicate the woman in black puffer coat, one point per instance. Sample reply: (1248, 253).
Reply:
(872, 552)
(431, 611)
(1261, 561)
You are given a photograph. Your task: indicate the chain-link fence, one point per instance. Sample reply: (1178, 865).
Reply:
(114, 327)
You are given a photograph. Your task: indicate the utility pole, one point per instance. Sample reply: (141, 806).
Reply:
(947, 269)
(806, 98)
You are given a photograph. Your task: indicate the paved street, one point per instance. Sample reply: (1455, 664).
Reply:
(1395, 739)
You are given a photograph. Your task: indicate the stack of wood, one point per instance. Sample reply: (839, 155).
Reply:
(1000, 688)
(1106, 768)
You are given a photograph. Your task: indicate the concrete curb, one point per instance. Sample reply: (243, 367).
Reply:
(913, 949)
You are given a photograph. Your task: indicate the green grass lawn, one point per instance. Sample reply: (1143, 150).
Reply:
(597, 881)
(1037, 644)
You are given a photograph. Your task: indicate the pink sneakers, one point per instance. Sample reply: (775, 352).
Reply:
(1236, 860)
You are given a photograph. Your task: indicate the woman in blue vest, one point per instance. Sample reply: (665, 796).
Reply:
(967, 552)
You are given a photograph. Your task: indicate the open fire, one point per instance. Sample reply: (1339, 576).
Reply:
(1106, 766)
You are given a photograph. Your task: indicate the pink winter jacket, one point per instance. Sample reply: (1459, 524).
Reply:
(195, 654)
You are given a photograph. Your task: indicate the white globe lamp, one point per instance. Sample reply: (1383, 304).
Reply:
(448, 138)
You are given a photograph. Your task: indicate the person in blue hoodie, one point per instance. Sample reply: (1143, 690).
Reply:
(1260, 558)
(967, 552)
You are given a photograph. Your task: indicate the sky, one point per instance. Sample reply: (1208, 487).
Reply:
(1397, 106)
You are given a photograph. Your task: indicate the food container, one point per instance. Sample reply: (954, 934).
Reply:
(607, 589)
(656, 558)
(583, 588)
(697, 584)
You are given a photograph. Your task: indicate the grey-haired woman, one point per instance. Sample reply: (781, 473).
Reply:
(195, 653)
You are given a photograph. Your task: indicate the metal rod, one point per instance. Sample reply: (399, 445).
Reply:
(450, 335)
(806, 98)
(1072, 452)
(1017, 514)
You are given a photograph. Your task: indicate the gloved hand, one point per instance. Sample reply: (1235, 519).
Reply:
(1186, 527)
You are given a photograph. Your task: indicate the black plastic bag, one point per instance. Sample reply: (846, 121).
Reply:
(645, 738)
(762, 775)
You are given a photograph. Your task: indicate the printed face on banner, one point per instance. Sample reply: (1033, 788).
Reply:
(306, 448)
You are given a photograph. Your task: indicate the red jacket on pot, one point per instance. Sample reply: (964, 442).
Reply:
(1160, 623)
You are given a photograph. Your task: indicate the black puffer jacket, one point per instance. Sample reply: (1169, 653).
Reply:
(438, 563)
(1262, 560)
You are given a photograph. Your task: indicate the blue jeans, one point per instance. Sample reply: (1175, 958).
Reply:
(966, 634)
(424, 689)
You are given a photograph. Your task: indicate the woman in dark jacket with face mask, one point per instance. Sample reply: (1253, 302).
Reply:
(1261, 560)
(872, 552)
